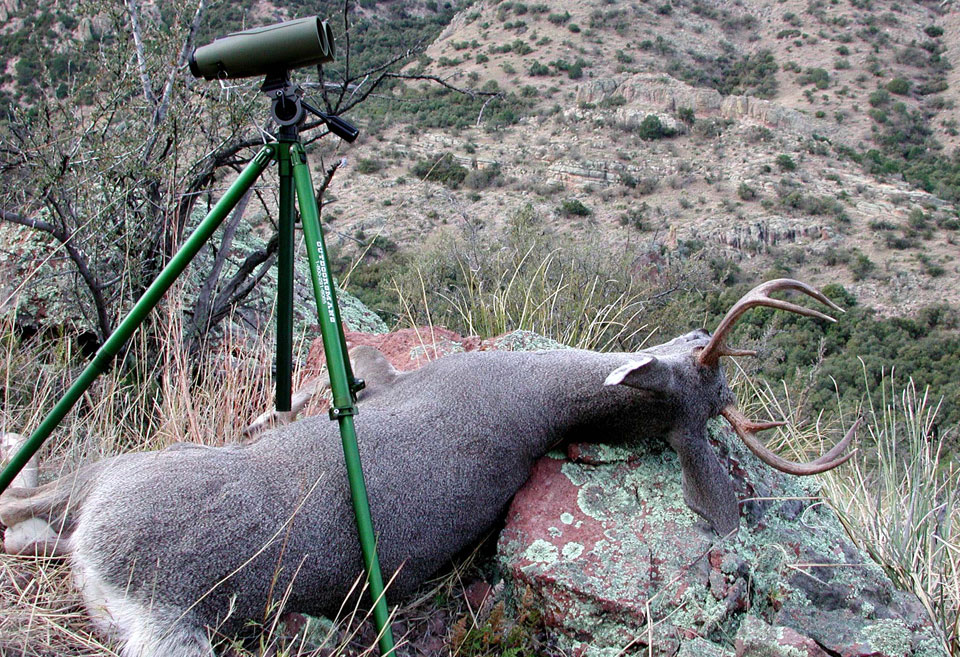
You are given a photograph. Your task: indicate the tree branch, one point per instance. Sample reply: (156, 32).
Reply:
(104, 325)
(133, 12)
(203, 305)
(31, 222)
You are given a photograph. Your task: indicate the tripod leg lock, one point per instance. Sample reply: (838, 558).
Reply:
(337, 413)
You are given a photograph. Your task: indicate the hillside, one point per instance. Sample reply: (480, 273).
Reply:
(813, 138)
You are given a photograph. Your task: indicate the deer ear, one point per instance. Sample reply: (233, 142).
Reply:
(707, 488)
(629, 373)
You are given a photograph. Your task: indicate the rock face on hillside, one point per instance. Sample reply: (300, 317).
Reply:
(618, 564)
(647, 91)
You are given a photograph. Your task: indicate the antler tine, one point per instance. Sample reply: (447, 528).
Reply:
(760, 296)
(746, 428)
(842, 445)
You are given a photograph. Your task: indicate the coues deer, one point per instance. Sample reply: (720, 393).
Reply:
(166, 544)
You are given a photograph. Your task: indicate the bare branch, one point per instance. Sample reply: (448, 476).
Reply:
(104, 325)
(346, 59)
(30, 222)
(203, 304)
(161, 112)
(134, 13)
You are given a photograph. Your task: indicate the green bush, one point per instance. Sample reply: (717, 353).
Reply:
(445, 170)
(652, 128)
(785, 162)
(818, 77)
(746, 192)
(368, 165)
(879, 97)
(538, 69)
(899, 86)
(861, 267)
(730, 73)
(574, 208)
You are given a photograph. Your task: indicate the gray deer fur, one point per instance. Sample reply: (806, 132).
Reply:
(167, 544)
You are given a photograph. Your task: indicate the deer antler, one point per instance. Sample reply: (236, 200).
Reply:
(747, 428)
(710, 355)
(760, 296)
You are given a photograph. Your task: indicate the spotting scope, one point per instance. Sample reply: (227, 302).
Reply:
(268, 50)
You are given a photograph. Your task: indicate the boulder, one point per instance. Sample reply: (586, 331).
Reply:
(617, 563)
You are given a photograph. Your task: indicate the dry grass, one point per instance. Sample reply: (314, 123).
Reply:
(156, 398)
(898, 498)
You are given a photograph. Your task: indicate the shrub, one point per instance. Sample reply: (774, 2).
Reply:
(786, 163)
(368, 165)
(652, 128)
(574, 208)
(445, 170)
(933, 31)
(899, 86)
(648, 185)
(879, 97)
(861, 267)
(483, 178)
(538, 69)
(746, 192)
(816, 76)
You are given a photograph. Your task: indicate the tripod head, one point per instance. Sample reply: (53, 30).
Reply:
(273, 51)
(288, 107)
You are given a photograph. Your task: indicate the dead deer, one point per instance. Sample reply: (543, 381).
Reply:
(170, 543)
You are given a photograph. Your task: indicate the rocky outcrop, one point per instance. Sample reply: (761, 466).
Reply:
(759, 233)
(617, 562)
(646, 91)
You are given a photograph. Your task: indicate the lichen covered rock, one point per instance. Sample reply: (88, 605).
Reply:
(616, 560)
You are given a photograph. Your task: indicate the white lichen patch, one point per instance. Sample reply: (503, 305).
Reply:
(541, 551)
(600, 504)
(890, 637)
(554, 532)
(572, 550)
(575, 473)
(566, 518)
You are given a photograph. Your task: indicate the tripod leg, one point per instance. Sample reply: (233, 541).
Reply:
(111, 347)
(285, 281)
(341, 381)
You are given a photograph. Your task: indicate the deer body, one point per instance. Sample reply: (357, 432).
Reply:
(166, 543)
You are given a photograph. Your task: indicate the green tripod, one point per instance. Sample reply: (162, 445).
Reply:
(288, 109)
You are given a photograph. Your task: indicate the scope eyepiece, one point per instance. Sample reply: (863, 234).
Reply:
(265, 50)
